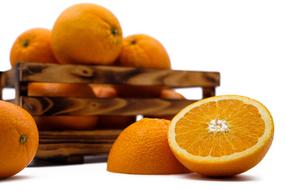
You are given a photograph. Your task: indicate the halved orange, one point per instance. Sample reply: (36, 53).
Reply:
(222, 135)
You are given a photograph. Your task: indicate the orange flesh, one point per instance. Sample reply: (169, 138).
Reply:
(244, 123)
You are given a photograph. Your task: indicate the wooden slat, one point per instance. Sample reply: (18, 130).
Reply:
(38, 106)
(208, 92)
(36, 72)
(86, 134)
(9, 78)
(83, 141)
(69, 149)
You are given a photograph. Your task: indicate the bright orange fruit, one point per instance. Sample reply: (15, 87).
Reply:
(142, 148)
(222, 135)
(33, 45)
(86, 33)
(19, 139)
(143, 51)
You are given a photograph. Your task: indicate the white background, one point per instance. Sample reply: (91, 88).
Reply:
(244, 40)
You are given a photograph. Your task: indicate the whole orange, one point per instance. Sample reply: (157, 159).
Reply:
(86, 33)
(143, 51)
(19, 139)
(33, 45)
(142, 148)
(63, 90)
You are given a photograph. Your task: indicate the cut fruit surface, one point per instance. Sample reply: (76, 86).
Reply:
(222, 135)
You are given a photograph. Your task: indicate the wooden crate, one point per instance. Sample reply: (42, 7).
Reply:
(73, 145)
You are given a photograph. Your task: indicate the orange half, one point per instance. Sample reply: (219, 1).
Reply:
(222, 135)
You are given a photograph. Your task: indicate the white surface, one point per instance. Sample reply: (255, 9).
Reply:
(95, 176)
(244, 40)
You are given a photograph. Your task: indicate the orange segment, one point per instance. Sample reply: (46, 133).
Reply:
(221, 130)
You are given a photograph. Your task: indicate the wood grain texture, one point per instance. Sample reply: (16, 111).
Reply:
(71, 149)
(9, 78)
(38, 106)
(79, 136)
(72, 146)
(55, 144)
(33, 72)
(208, 92)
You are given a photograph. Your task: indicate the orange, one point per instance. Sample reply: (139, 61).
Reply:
(222, 135)
(104, 90)
(63, 90)
(19, 139)
(142, 148)
(33, 45)
(111, 121)
(171, 94)
(143, 51)
(88, 34)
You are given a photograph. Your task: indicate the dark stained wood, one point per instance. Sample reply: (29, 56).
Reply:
(33, 72)
(69, 146)
(72, 146)
(67, 140)
(208, 92)
(38, 106)
(70, 149)
(86, 134)
(17, 86)
(9, 78)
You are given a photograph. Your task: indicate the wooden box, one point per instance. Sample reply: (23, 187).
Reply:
(74, 145)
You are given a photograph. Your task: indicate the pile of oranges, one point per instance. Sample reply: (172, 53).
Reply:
(219, 136)
(82, 34)
(89, 34)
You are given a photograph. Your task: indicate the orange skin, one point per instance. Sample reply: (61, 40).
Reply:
(109, 122)
(33, 45)
(19, 139)
(142, 148)
(171, 94)
(104, 90)
(143, 51)
(63, 122)
(86, 34)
